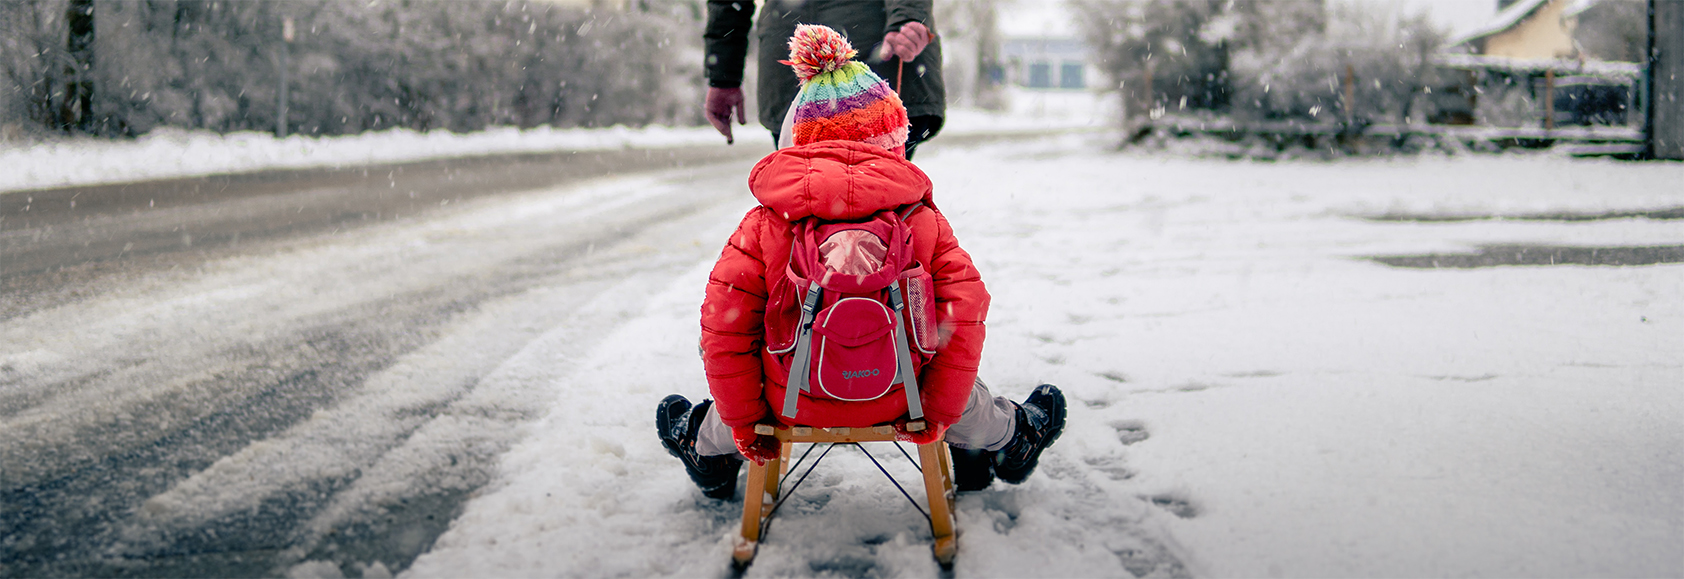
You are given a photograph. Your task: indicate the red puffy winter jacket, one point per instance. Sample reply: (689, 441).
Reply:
(838, 181)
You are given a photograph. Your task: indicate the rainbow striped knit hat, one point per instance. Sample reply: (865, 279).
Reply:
(840, 99)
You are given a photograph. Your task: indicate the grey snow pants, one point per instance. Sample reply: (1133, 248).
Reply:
(987, 424)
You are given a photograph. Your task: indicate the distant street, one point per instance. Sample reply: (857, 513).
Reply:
(53, 241)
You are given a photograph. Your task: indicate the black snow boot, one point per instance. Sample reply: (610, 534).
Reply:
(677, 422)
(973, 469)
(1040, 420)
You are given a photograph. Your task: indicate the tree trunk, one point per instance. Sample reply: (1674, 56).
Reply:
(76, 111)
(1666, 79)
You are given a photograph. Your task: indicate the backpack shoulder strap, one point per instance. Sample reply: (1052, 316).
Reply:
(910, 209)
(906, 375)
(800, 364)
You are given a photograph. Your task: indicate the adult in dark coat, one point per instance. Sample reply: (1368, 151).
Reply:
(886, 32)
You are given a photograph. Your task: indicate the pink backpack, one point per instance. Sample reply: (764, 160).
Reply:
(852, 316)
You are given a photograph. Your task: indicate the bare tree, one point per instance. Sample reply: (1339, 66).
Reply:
(76, 108)
(32, 61)
(971, 35)
(1265, 59)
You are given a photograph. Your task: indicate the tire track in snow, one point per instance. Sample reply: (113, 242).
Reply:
(559, 504)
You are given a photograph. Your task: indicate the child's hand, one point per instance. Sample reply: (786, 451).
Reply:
(932, 432)
(756, 447)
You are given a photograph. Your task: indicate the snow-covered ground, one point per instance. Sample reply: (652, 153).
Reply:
(1250, 397)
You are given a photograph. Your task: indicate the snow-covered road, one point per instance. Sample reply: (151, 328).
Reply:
(335, 394)
(1251, 395)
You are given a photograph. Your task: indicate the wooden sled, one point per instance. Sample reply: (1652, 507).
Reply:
(761, 496)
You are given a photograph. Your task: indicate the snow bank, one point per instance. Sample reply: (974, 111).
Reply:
(168, 153)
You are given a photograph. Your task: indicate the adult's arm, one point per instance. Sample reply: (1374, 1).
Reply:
(725, 41)
(898, 12)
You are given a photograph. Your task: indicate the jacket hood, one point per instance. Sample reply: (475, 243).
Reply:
(836, 181)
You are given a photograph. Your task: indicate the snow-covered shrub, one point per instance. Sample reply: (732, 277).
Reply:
(1183, 44)
(1386, 56)
(1508, 107)
(1264, 59)
(357, 66)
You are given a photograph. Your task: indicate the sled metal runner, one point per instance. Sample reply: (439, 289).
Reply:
(764, 493)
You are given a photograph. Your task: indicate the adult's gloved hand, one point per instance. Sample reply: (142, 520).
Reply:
(932, 432)
(905, 43)
(720, 103)
(756, 447)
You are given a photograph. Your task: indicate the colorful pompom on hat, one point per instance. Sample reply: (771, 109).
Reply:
(840, 98)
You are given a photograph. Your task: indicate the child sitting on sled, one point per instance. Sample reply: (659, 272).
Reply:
(778, 297)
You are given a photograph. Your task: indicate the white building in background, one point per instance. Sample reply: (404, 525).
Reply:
(1046, 68)
(1041, 49)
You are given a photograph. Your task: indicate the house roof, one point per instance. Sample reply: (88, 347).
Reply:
(1504, 20)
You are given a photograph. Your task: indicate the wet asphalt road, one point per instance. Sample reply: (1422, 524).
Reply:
(53, 241)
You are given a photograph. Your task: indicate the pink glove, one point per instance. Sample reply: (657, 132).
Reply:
(720, 103)
(932, 432)
(757, 447)
(905, 43)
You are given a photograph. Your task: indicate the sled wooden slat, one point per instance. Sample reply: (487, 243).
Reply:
(762, 492)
